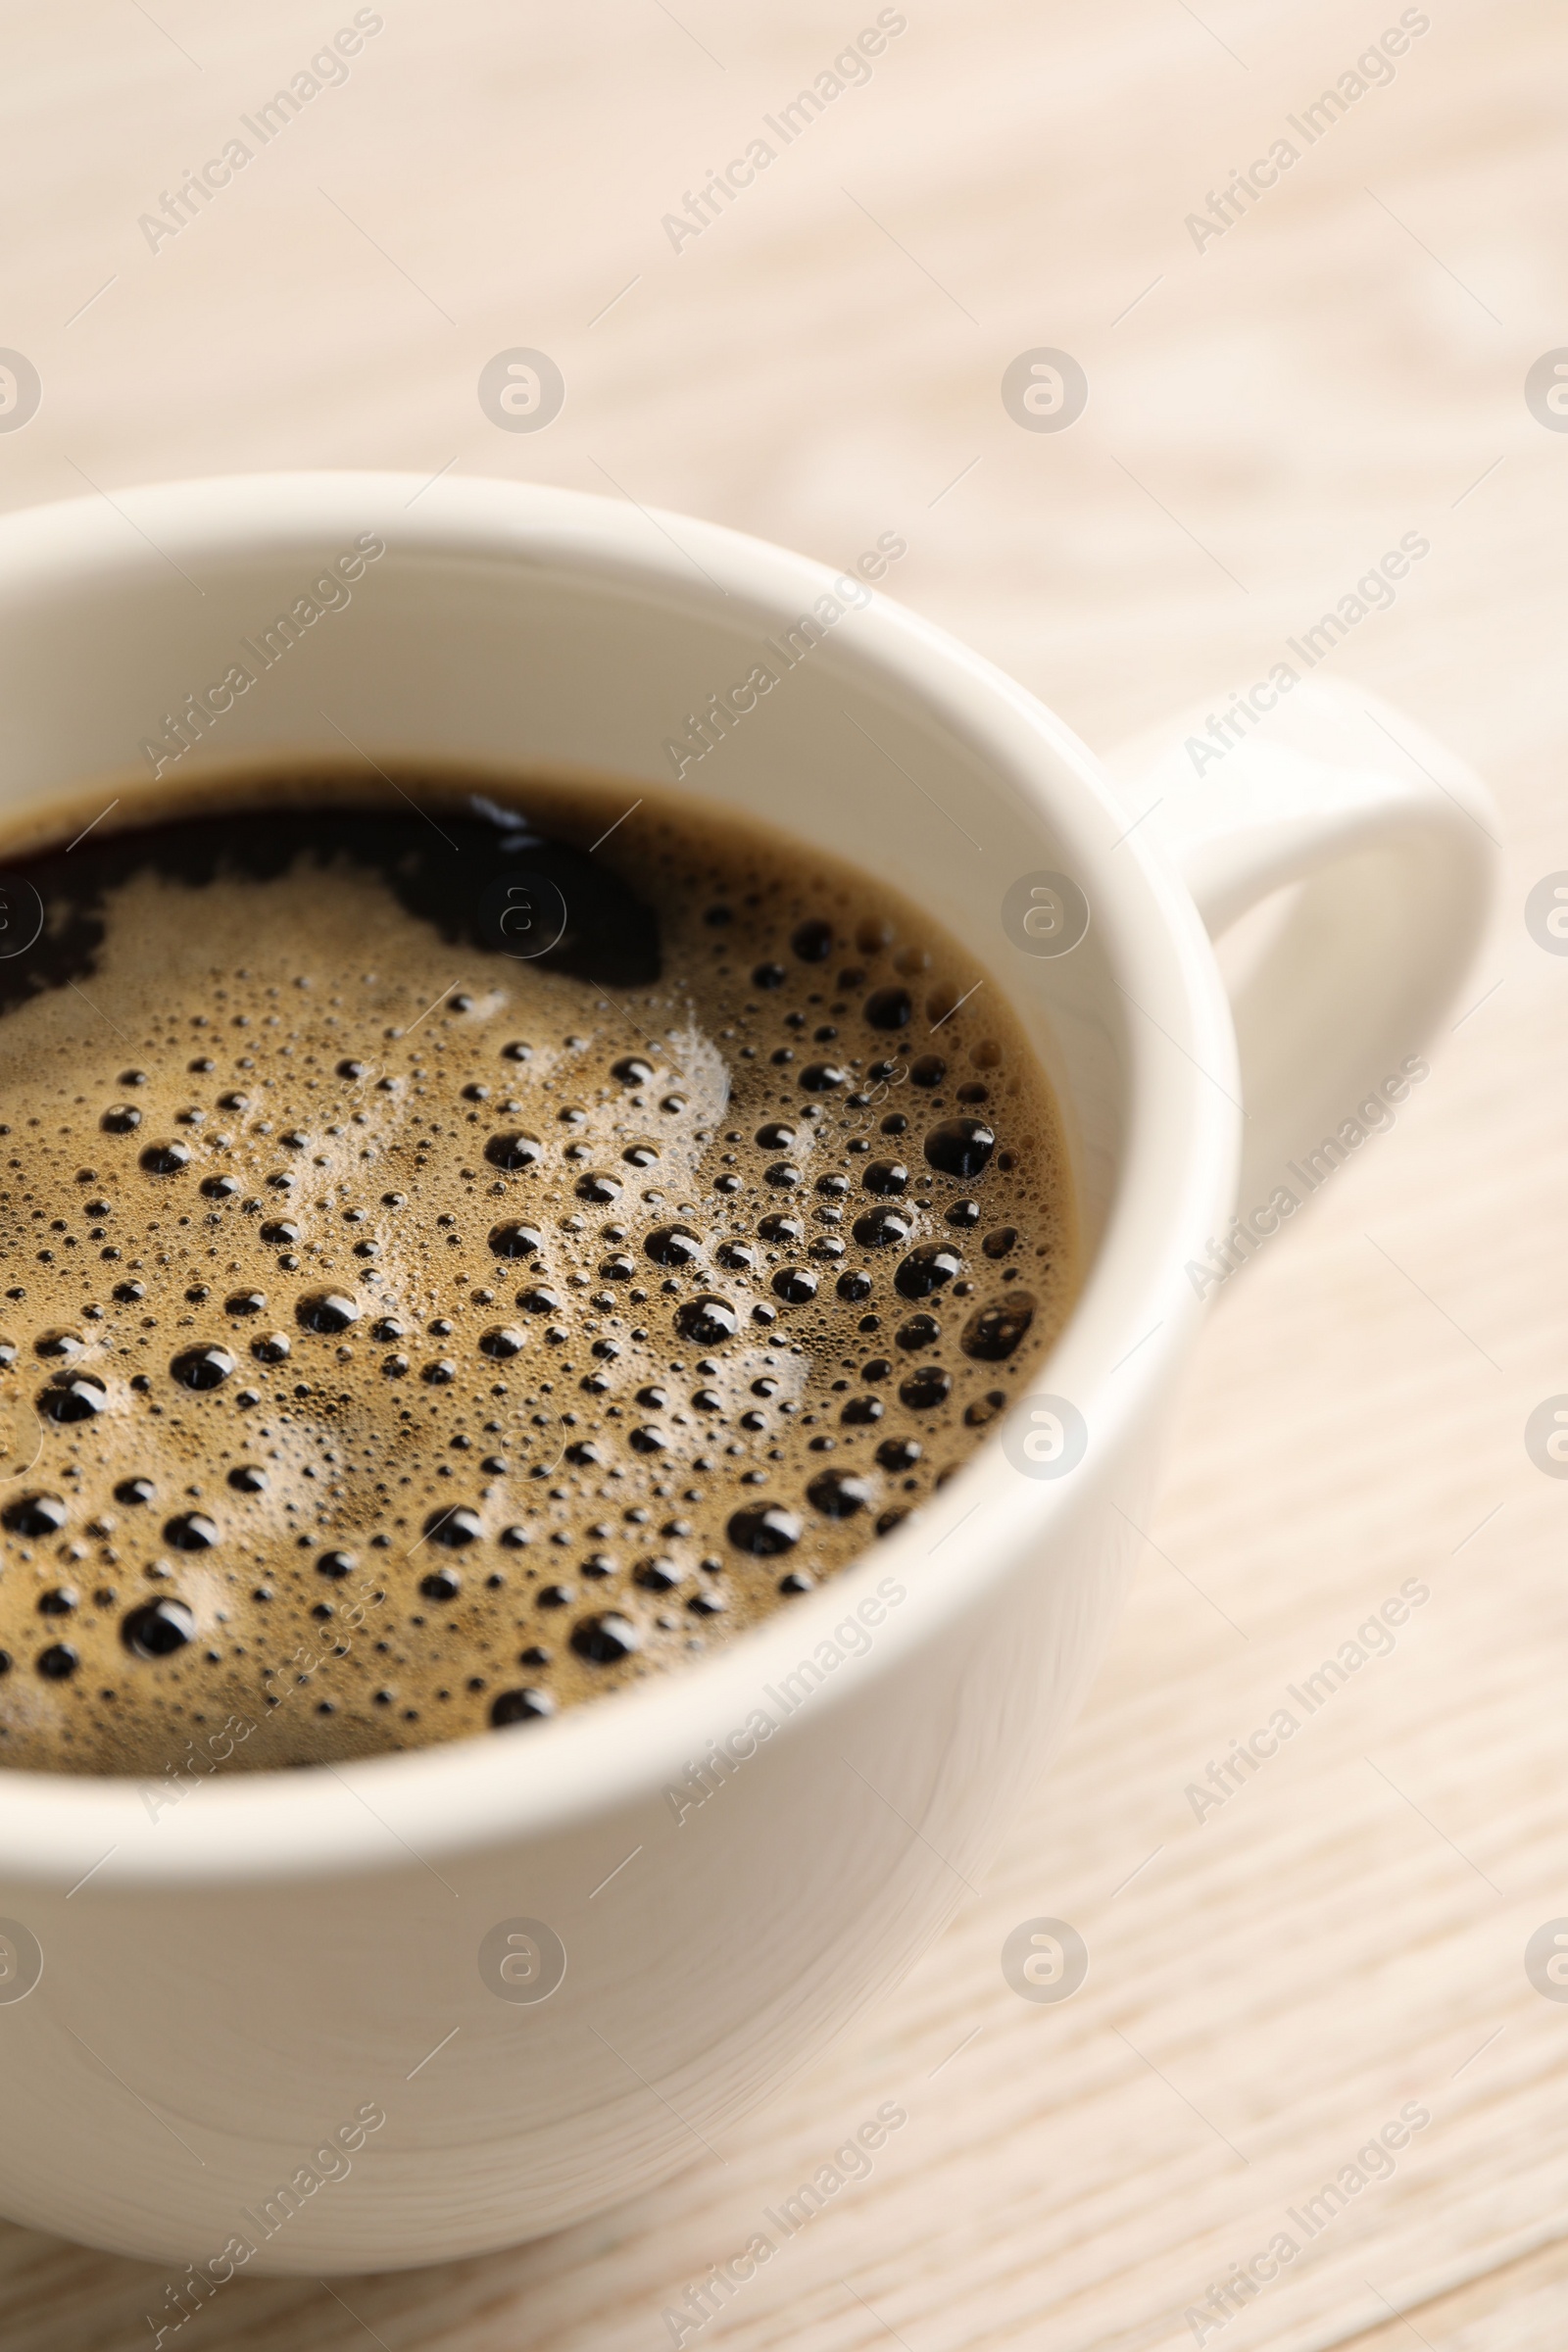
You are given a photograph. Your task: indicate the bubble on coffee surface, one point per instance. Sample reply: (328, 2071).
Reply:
(425, 1340)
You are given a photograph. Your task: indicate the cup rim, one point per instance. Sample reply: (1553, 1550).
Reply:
(1132, 1322)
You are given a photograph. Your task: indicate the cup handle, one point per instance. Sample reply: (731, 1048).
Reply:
(1392, 844)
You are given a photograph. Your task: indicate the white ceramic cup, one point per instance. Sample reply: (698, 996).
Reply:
(205, 2006)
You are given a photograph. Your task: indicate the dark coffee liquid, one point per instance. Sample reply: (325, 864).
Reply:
(453, 1269)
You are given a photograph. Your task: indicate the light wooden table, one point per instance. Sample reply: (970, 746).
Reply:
(1267, 414)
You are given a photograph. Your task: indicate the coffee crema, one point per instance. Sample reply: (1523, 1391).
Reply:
(461, 1263)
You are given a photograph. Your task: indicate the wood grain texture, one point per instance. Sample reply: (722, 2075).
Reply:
(1345, 1933)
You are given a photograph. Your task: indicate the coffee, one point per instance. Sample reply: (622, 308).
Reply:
(462, 1261)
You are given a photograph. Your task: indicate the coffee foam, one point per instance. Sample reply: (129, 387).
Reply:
(424, 1339)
